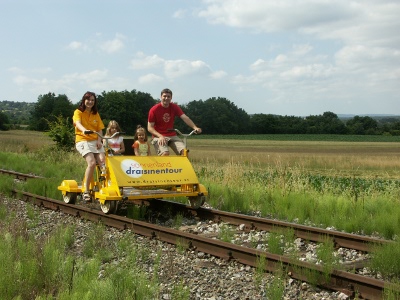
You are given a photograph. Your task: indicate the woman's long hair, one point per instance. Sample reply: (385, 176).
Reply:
(82, 106)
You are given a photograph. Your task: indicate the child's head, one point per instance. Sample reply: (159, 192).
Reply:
(112, 128)
(140, 131)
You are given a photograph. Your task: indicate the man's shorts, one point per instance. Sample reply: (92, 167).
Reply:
(85, 147)
(174, 142)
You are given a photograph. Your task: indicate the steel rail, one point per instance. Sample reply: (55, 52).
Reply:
(338, 280)
(20, 176)
(315, 234)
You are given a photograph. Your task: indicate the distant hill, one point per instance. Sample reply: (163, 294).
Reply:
(368, 115)
(380, 118)
(17, 112)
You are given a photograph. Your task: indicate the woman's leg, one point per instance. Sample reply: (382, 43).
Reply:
(101, 158)
(91, 165)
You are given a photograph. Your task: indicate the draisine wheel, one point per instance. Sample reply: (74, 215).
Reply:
(69, 197)
(197, 201)
(109, 207)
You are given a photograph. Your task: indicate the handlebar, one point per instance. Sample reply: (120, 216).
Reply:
(183, 134)
(102, 137)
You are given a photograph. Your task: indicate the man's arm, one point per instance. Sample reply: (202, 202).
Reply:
(154, 132)
(190, 123)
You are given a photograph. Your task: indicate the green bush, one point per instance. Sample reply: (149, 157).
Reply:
(62, 133)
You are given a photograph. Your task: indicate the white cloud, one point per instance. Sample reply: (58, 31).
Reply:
(372, 22)
(241, 81)
(272, 16)
(307, 71)
(91, 44)
(113, 45)
(301, 50)
(74, 45)
(150, 78)
(180, 67)
(179, 14)
(143, 62)
(258, 64)
(65, 84)
(218, 74)
(94, 75)
(363, 53)
(171, 68)
(17, 70)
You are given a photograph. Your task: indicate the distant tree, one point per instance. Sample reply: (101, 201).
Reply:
(218, 116)
(362, 125)
(327, 123)
(264, 124)
(144, 102)
(4, 122)
(127, 108)
(392, 128)
(291, 125)
(48, 108)
(396, 125)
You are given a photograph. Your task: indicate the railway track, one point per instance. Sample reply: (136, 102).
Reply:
(315, 234)
(19, 176)
(337, 280)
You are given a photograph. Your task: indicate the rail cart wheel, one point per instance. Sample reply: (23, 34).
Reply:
(197, 201)
(69, 198)
(109, 207)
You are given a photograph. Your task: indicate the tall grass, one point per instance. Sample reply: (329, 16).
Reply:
(47, 268)
(386, 260)
(293, 194)
(40, 266)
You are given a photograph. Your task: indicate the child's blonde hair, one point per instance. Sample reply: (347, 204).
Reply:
(139, 129)
(112, 123)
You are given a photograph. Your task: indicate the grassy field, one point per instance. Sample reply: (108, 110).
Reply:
(351, 185)
(330, 183)
(345, 158)
(363, 156)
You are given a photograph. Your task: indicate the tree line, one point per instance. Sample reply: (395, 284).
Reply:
(214, 116)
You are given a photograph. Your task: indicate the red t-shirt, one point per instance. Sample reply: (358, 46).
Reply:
(163, 118)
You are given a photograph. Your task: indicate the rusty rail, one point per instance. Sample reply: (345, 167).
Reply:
(315, 234)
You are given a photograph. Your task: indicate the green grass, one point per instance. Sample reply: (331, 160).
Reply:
(226, 233)
(294, 195)
(338, 181)
(386, 260)
(46, 267)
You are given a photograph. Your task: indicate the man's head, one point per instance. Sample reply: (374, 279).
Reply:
(166, 97)
(166, 91)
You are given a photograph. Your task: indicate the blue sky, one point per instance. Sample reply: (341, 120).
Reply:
(283, 57)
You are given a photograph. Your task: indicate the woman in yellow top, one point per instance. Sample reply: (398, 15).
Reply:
(90, 146)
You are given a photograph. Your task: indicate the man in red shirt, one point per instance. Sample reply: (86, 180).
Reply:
(161, 118)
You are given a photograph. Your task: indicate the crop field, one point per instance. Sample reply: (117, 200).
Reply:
(345, 158)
